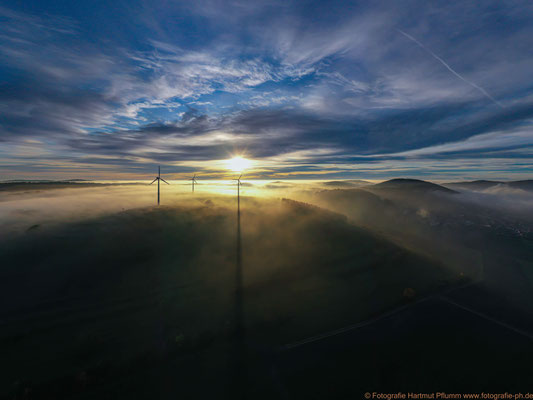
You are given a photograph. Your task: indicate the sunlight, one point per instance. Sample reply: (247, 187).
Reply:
(238, 164)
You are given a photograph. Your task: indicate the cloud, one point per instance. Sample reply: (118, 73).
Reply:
(519, 138)
(483, 91)
(286, 83)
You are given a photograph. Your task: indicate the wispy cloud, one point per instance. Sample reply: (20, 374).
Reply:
(447, 66)
(325, 86)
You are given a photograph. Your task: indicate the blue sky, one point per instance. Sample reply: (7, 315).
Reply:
(307, 89)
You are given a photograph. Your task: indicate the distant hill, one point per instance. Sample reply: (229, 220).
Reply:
(524, 185)
(474, 185)
(346, 183)
(44, 185)
(14, 186)
(412, 185)
(481, 185)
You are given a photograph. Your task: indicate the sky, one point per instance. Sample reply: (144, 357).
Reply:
(438, 90)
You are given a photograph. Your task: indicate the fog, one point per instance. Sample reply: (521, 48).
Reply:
(22, 207)
(98, 275)
(25, 205)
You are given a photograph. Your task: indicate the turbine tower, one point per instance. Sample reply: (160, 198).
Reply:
(158, 179)
(239, 193)
(240, 379)
(193, 181)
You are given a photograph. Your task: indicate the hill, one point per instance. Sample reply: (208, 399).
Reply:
(482, 185)
(412, 186)
(524, 185)
(100, 312)
(22, 186)
(346, 183)
(474, 185)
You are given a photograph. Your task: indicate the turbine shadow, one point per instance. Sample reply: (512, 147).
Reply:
(240, 381)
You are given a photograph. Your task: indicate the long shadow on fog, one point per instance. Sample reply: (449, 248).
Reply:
(239, 345)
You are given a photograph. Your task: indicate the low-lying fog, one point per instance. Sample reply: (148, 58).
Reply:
(97, 273)
(28, 205)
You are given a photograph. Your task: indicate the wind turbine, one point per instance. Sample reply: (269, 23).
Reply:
(158, 179)
(239, 192)
(239, 337)
(193, 181)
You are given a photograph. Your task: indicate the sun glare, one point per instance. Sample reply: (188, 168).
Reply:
(238, 164)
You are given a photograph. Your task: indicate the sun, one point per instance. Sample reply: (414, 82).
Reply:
(238, 164)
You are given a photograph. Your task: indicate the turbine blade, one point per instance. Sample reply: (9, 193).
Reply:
(154, 180)
(165, 181)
